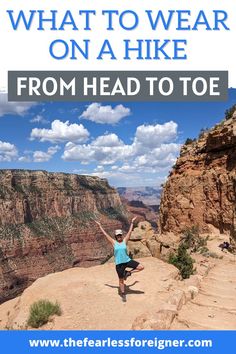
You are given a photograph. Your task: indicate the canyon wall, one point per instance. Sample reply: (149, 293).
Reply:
(46, 224)
(201, 188)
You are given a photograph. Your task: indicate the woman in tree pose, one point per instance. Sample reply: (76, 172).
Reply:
(122, 260)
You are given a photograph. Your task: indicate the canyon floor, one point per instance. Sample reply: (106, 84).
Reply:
(89, 296)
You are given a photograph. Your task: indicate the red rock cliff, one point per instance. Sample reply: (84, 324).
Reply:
(46, 224)
(201, 188)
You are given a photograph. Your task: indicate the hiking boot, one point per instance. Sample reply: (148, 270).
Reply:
(127, 274)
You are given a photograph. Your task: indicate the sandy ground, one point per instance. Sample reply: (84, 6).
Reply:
(89, 297)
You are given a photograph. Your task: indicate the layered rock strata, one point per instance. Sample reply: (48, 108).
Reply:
(46, 224)
(201, 188)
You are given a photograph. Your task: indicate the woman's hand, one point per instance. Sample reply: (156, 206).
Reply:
(133, 220)
(97, 222)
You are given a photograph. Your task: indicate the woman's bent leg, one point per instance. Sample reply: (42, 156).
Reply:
(135, 267)
(139, 268)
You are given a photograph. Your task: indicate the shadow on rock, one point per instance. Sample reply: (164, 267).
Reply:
(127, 288)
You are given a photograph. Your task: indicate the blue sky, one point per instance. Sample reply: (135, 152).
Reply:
(130, 144)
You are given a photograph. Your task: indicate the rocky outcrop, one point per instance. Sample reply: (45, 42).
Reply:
(89, 298)
(46, 224)
(178, 294)
(144, 241)
(201, 188)
(213, 305)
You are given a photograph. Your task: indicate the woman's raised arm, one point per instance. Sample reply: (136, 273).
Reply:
(108, 237)
(126, 239)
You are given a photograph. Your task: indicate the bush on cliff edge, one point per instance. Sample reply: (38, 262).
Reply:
(182, 261)
(229, 112)
(193, 241)
(41, 311)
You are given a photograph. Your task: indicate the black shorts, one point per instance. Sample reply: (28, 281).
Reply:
(120, 268)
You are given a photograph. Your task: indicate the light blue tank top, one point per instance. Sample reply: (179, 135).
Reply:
(120, 253)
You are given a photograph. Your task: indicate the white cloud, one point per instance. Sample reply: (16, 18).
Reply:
(19, 108)
(163, 156)
(114, 167)
(39, 119)
(8, 152)
(106, 149)
(108, 140)
(153, 136)
(99, 168)
(41, 156)
(95, 112)
(80, 171)
(145, 161)
(61, 132)
(24, 159)
(152, 149)
(121, 179)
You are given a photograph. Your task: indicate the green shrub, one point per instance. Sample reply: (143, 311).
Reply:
(118, 213)
(50, 226)
(229, 112)
(192, 239)
(11, 232)
(203, 131)
(182, 261)
(85, 217)
(19, 188)
(41, 311)
(94, 184)
(203, 250)
(189, 141)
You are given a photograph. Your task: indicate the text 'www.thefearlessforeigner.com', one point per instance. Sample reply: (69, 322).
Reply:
(159, 344)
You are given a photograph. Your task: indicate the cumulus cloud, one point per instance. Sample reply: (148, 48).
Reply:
(8, 152)
(145, 161)
(106, 149)
(153, 136)
(153, 148)
(19, 108)
(163, 156)
(90, 153)
(41, 156)
(97, 113)
(61, 132)
(108, 140)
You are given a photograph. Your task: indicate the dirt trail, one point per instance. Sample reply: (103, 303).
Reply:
(215, 305)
